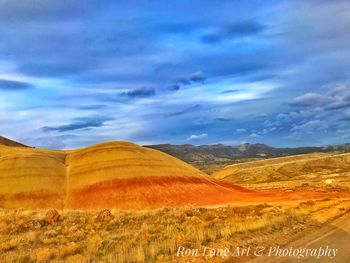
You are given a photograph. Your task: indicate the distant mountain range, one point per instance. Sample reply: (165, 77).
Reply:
(210, 158)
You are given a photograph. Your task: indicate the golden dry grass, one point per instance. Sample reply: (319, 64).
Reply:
(155, 235)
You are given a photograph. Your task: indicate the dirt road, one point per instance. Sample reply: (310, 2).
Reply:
(335, 235)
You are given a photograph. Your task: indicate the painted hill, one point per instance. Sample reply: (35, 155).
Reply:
(8, 142)
(123, 174)
(108, 175)
(311, 169)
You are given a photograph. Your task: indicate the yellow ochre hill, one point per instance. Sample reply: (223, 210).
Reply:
(107, 175)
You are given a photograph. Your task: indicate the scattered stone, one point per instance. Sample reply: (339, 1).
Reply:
(105, 216)
(52, 216)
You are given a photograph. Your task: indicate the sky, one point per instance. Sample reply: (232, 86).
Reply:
(79, 72)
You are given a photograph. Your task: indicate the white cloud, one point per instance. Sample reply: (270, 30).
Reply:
(196, 137)
(254, 136)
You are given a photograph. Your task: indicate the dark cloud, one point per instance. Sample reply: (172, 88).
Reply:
(234, 30)
(308, 99)
(178, 27)
(197, 77)
(182, 81)
(140, 93)
(345, 118)
(338, 105)
(185, 111)
(332, 99)
(174, 87)
(310, 127)
(79, 123)
(229, 91)
(92, 107)
(90, 55)
(11, 85)
(223, 119)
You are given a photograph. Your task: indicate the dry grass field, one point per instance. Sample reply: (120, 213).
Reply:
(155, 235)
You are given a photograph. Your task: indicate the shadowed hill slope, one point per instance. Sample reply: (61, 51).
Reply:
(8, 142)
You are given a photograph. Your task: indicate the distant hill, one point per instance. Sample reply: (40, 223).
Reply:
(315, 169)
(211, 158)
(8, 142)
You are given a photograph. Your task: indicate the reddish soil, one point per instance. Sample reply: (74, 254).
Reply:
(151, 192)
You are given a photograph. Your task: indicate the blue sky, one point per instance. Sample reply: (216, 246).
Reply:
(75, 73)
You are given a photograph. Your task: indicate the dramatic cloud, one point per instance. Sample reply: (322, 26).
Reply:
(197, 77)
(185, 111)
(11, 85)
(80, 123)
(234, 30)
(308, 99)
(332, 99)
(310, 127)
(229, 91)
(142, 92)
(150, 73)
